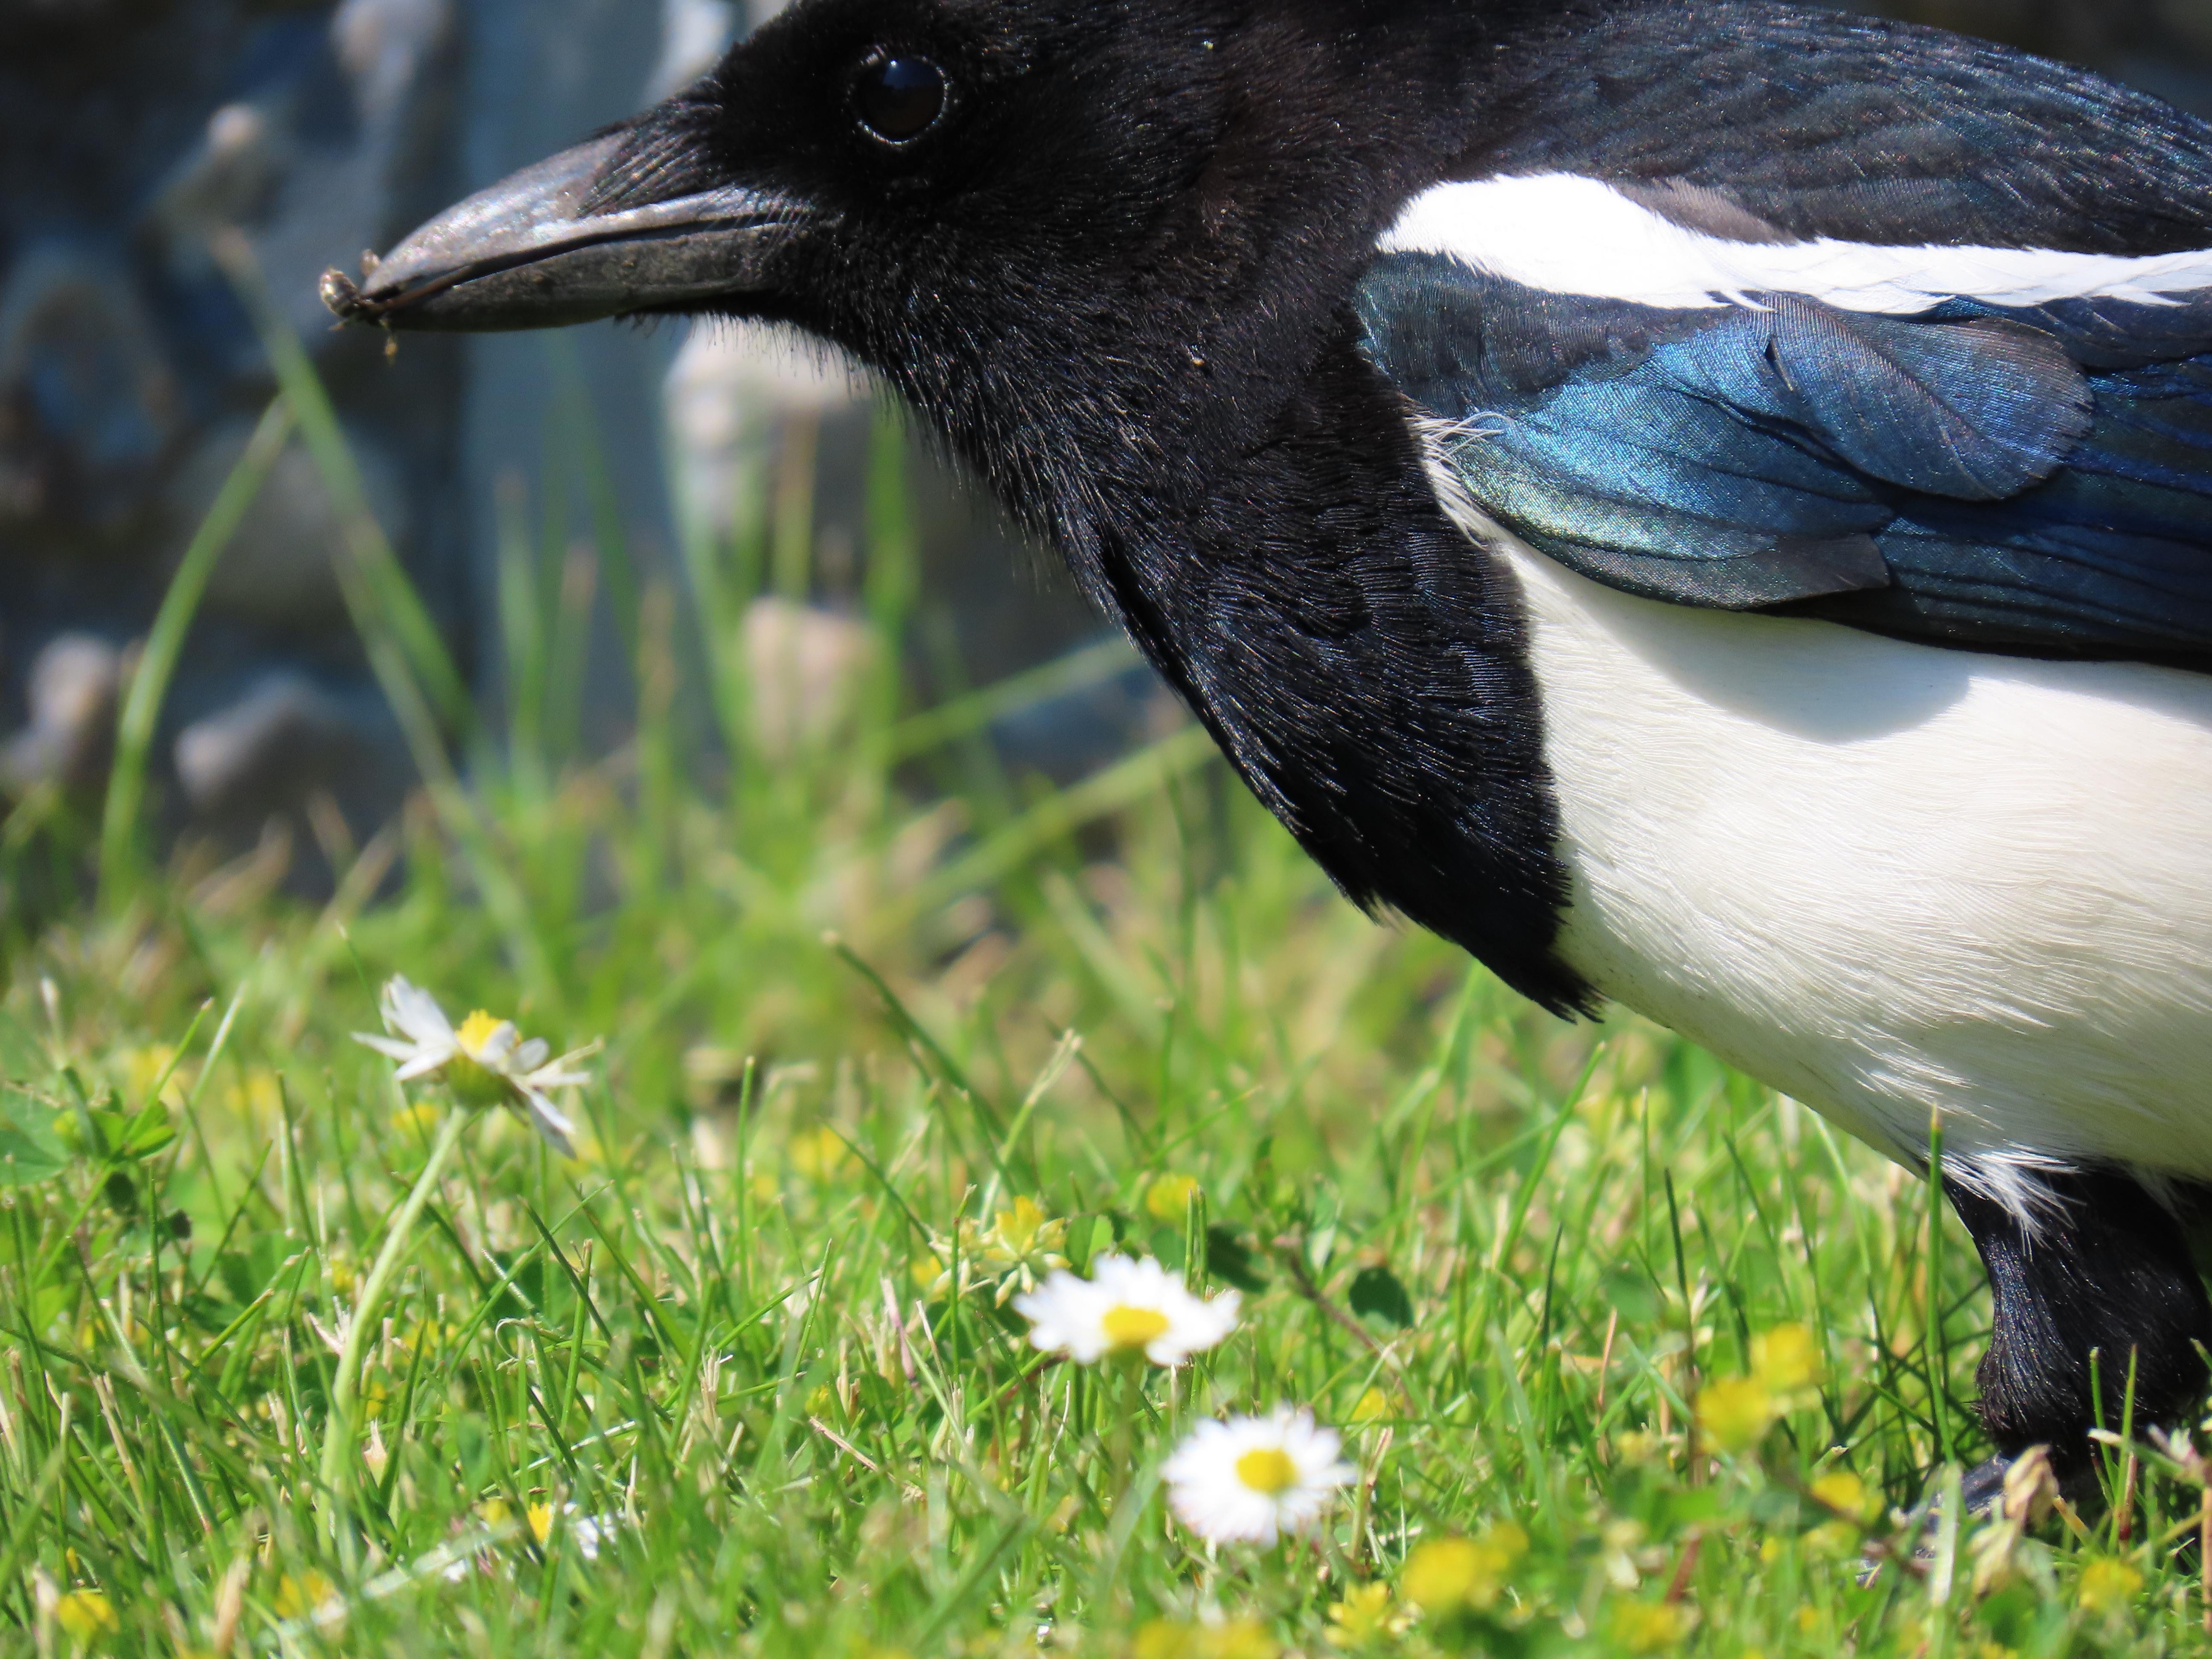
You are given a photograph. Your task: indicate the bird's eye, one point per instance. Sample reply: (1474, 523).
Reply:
(899, 99)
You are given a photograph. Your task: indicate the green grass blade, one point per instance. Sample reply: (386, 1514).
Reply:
(120, 864)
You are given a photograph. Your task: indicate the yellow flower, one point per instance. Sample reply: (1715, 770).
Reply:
(1239, 1639)
(258, 1098)
(142, 1068)
(1023, 1247)
(1373, 1406)
(1834, 1538)
(1844, 1493)
(1736, 1412)
(1168, 1199)
(932, 1274)
(1447, 1574)
(2108, 1585)
(820, 1154)
(299, 1597)
(588, 1532)
(1620, 1558)
(1641, 1446)
(1648, 1627)
(1025, 1227)
(1164, 1638)
(1854, 1507)
(1785, 1358)
(1174, 1639)
(87, 1616)
(1366, 1614)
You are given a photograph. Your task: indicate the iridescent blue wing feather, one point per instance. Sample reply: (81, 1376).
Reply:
(2035, 478)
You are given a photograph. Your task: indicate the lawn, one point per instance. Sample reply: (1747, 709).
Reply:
(1627, 1354)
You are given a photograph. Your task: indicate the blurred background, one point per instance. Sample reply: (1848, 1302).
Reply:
(143, 139)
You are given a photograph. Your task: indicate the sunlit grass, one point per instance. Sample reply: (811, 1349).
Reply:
(745, 1376)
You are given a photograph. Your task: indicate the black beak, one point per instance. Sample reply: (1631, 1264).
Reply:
(529, 254)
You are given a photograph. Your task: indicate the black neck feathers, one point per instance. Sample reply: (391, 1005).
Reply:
(1144, 343)
(1365, 669)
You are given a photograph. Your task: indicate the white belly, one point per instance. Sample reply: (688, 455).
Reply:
(1891, 879)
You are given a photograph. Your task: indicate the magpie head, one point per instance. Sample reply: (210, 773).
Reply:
(850, 151)
(1028, 213)
(1107, 249)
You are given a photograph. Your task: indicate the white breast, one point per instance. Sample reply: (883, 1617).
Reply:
(1890, 878)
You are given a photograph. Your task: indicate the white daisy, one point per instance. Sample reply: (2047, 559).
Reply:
(1125, 1307)
(1252, 1479)
(484, 1063)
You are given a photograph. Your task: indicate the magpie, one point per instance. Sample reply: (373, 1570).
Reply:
(1706, 503)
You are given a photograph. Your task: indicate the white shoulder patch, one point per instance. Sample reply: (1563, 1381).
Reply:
(1566, 234)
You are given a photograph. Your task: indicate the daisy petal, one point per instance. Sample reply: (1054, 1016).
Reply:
(422, 1064)
(494, 1051)
(550, 1123)
(415, 1012)
(552, 1077)
(1067, 1315)
(1131, 1306)
(1253, 1480)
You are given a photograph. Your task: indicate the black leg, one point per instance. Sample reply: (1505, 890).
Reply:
(2107, 1268)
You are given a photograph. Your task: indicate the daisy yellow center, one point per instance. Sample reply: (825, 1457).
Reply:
(1269, 1470)
(476, 1031)
(1134, 1327)
(469, 1077)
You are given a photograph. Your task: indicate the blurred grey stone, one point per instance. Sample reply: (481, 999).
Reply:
(131, 133)
(89, 401)
(286, 739)
(570, 421)
(277, 573)
(70, 738)
(693, 34)
(729, 394)
(803, 669)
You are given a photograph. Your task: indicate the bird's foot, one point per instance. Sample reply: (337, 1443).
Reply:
(2025, 1486)
(1981, 1489)
(2020, 1487)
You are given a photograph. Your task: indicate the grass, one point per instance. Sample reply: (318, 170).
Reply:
(739, 1379)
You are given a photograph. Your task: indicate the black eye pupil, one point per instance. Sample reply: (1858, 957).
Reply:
(899, 99)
